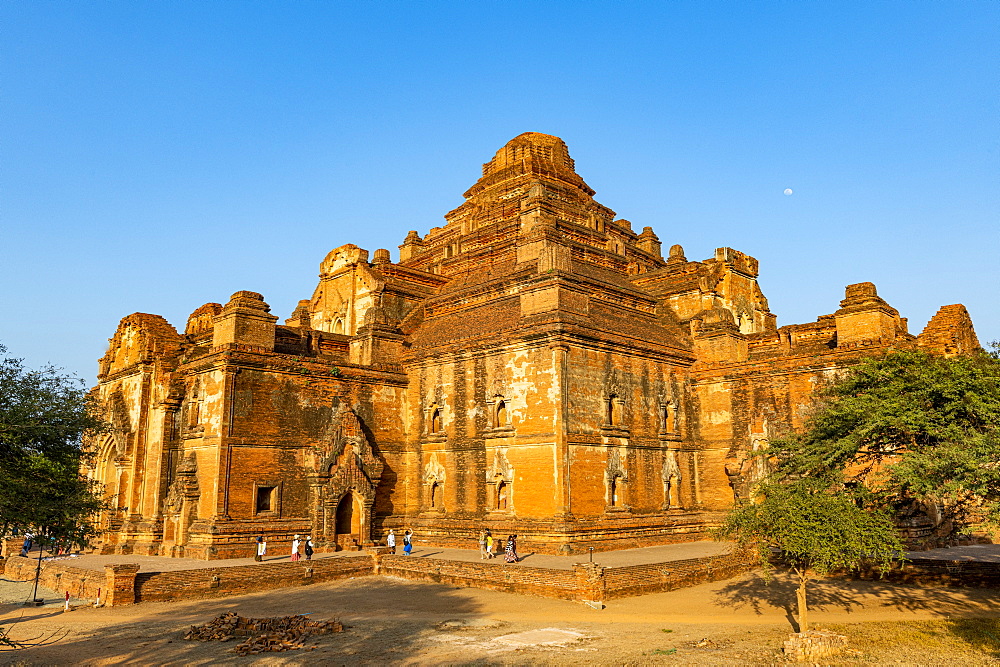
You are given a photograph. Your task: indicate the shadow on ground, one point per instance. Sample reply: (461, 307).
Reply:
(755, 592)
(982, 634)
(386, 632)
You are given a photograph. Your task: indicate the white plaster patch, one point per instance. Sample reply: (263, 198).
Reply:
(212, 397)
(555, 637)
(544, 638)
(521, 383)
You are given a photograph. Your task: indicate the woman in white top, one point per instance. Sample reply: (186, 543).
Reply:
(295, 548)
(390, 541)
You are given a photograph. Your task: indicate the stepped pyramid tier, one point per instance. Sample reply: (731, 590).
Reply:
(530, 189)
(533, 366)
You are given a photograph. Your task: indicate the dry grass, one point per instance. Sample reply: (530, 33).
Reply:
(966, 641)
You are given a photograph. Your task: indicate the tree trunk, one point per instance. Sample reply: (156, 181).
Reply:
(800, 594)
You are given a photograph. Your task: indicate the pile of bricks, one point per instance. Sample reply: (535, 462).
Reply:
(812, 644)
(261, 635)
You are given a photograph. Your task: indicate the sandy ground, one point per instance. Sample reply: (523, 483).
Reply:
(738, 622)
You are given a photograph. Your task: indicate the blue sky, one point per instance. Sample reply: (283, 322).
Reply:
(158, 156)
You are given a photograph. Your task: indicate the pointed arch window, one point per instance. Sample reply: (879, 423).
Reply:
(614, 410)
(668, 414)
(194, 405)
(503, 495)
(500, 413)
(671, 476)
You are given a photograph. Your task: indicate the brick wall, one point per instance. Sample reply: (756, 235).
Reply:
(955, 573)
(490, 576)
(57, 576)
(620, 582)
(242, 579)
(584, 582)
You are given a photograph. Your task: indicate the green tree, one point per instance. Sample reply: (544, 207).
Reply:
(910, 426)
(815, 526)
(44, 415)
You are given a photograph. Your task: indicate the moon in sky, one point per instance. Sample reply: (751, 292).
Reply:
(788, 191)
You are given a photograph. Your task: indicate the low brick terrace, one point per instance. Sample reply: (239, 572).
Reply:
(621, 558)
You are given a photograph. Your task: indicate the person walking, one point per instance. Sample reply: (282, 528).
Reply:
(261, 549)
(482, 545)
(407, 541)
(510, 550)
(489, 544)
(309, 547)
(390, 541)
(295, 548)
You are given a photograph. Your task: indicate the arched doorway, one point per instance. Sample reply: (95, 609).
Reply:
(347, 521)
(345, 515)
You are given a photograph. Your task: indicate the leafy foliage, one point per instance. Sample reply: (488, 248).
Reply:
(908, 425)
(44, 416)
(816, 527)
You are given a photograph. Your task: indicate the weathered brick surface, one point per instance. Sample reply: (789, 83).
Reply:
(11, 546)
(586, 581)
(239, 580)
(660, 577)
(956, 573)
(80, 583)
(533, 366)
(514, 578)
(949, 332)
(814, 644)
(120, 582)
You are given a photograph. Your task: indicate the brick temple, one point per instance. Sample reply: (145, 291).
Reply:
(534, 366)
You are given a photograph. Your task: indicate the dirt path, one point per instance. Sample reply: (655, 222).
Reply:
(743, 621)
